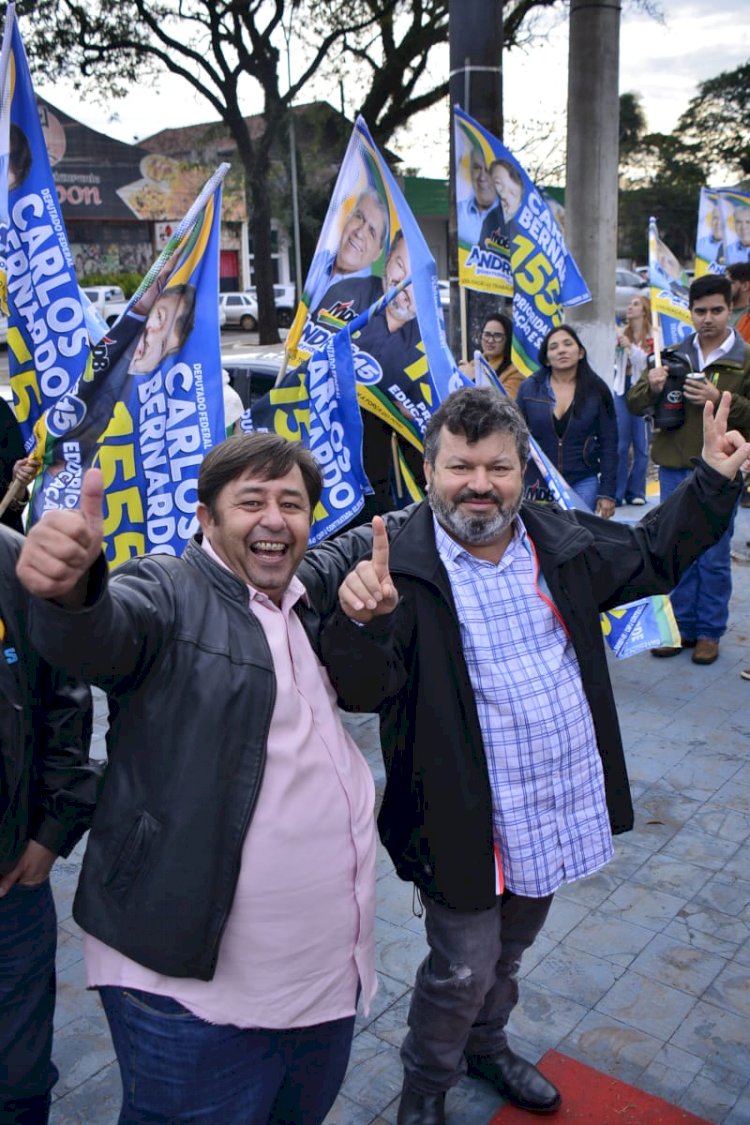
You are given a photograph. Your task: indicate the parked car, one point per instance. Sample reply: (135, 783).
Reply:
(3, 330)
(241, 310)
(285, 300)
(628, 284)
(252, 373)
(109, 300)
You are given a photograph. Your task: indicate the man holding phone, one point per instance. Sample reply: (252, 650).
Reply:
(717, 360)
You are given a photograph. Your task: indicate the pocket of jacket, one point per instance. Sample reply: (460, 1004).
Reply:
(133, 853)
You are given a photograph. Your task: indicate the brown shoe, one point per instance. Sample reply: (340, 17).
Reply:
(666, 650)
(706, 651)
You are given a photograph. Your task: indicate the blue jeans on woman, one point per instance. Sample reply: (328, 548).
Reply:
(176, 1067)
(700, 599)
(631, 430)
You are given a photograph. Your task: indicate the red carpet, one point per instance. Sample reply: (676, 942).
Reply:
(594, 1098)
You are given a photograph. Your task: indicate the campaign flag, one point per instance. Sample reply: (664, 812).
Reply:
(151, 406)
(710, 240)
(48, 335)
(317, 405)
(668, 287)
(518, 227)
(369, 243)
(735, 209)
(628, 629)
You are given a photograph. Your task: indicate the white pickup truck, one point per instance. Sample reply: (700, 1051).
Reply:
(109, 300)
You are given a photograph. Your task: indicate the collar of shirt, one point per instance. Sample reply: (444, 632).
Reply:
(452, 554)
(294, 591)
(722, 350)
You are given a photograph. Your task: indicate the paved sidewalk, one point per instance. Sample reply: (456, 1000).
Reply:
(643, 971)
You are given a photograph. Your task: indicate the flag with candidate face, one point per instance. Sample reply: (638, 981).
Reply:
(148, 410)
(668, 286)
(509, 242)
(735, 210)
(710, 239)
(48, 335)
(370, 241)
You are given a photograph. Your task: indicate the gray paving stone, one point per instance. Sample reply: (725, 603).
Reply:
(661, 812)
(670, 1073)
(719, 1036)
(679, 965)
(543, 1018)
(607, 936)
(740, 1112)
(399, 951)
(576, 975)
(702, 848)
(95, 1102)
(709, 1096)
(374, 1076)
(643, 906)
(391, 1024)
(82, 1049)
(389, 992)
(564, 915)
(665, 872)
(731, 990)
(612, 1047)
(73, 998)
(647, 1005)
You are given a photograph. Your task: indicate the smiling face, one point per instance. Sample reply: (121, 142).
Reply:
(260, 529)
(362, 237)
(484, 191)
(398, 266)
(508, 191)
(493, 339)
(162, 332)
(563, 353)
(475, 490)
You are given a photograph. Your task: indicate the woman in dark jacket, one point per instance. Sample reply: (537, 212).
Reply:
(571, 414)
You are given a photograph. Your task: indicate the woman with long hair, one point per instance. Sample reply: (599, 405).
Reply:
(570, 412)
(634, 345)
(495, 344)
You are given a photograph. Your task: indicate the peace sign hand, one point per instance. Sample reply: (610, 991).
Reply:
(724, 451)
(368, 591)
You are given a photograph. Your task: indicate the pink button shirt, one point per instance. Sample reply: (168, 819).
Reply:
(299, 936)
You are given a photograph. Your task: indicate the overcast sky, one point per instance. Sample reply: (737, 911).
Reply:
(664, 63)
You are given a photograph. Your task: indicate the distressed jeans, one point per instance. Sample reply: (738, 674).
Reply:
(467, 986)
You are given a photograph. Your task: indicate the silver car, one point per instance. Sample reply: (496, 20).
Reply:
(628, 285)
(241, 310)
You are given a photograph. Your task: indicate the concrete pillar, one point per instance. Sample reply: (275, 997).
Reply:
(476, 84)
(592, 158)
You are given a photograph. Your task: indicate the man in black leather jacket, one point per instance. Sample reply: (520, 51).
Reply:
(227, 891)
(47, 793)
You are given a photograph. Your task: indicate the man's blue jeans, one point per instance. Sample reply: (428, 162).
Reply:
(467, 986)
(700, 600)
(631, 430)
(28, 939)
(176, 1067)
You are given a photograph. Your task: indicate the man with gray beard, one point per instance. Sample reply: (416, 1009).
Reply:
(473, 628)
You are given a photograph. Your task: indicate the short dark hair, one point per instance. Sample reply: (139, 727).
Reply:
(707, 286)
(268, 455)
(476, 413)
(739, 271)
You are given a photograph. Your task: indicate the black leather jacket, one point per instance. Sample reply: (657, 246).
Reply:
(48, 787)
(192, 688)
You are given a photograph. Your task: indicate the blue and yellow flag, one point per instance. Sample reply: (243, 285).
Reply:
(149, 409)
(668, 287)
(629, 629)
(369, 243)
(735, 209)
(509, 242)
(48, 337)
(710, 239)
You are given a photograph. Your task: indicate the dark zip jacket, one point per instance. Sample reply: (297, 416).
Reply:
(589, 445)
(192, 688)
(48, 787)
(436, 816)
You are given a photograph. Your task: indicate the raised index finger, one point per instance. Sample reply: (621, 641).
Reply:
(380, 548)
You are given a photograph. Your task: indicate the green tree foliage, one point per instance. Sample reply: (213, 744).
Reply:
(717, 122)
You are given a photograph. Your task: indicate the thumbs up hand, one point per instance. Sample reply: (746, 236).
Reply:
(369, 591)
(60, 550)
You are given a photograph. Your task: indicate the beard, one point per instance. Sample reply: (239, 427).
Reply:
(477, 530)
